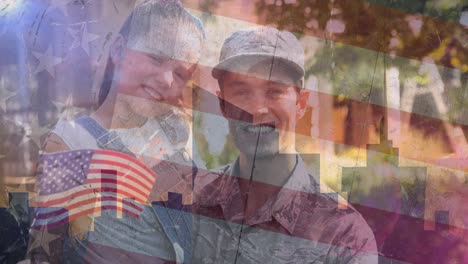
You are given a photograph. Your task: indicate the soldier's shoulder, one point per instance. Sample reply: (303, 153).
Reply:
(336, 215)
(343, 217)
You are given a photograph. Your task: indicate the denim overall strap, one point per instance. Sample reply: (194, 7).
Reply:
(104, 138)
(111, 141)
(179, 231)
(174, 209)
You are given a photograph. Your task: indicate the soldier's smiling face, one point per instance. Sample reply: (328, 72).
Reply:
(263, 105)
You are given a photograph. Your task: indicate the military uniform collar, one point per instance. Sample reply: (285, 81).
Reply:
(284, 207)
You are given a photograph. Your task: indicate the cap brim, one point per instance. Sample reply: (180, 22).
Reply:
(242, 62)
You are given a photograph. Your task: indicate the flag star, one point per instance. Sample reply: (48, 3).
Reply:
(86, 38)
(47, 61)
(82, 38)
(5, 94)
(33, 130)
(42, 239)
(75, 33)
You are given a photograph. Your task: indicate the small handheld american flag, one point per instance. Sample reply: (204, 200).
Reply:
(82, 182)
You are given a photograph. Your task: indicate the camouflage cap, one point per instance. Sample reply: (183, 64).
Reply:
(262, 44)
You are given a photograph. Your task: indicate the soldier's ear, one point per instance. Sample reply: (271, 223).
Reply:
(222, 103)
(117, 49)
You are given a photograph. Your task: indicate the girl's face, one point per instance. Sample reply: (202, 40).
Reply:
(150, 84)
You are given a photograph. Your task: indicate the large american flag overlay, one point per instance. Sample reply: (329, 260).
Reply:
(82, 182)
(373, 68)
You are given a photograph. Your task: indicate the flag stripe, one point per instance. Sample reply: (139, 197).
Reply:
(436, 126)
(62, 215)
(136, 168)
(113, 154)
(87, 203)
(76, 192)
(64, 219)
(370, 40)
(96, 174)
(62, 202)
(96, 164)
(408, 231)
(113, 182)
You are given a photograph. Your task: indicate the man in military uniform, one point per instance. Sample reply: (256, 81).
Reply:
(266, 207)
